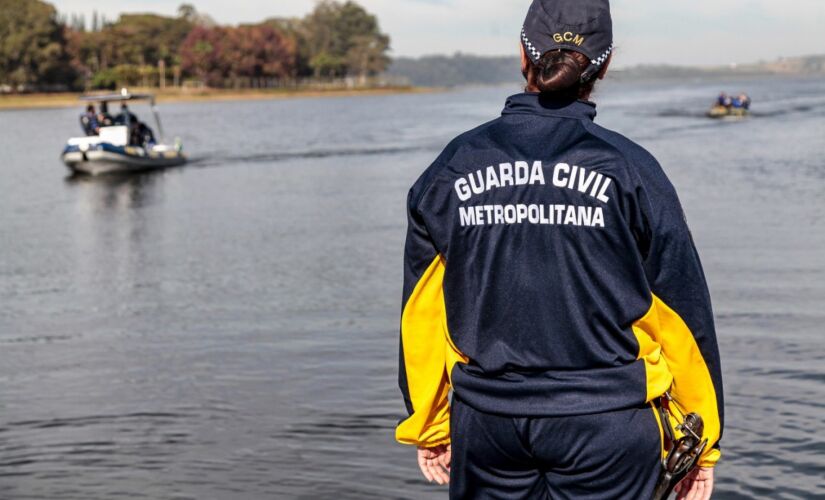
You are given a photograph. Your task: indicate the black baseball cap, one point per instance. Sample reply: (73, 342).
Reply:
(583, 26)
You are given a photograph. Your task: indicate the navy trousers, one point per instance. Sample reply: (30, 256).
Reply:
(614, 455)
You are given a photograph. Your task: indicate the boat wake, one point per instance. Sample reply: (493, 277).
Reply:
(218, 159)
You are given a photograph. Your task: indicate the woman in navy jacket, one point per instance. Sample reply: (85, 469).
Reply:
(551, 282)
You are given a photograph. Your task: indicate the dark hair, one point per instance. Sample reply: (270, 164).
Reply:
(560, 72)
(90, 108)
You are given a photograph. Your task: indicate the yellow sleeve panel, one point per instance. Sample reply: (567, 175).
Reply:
(673, 362)
(429, 356)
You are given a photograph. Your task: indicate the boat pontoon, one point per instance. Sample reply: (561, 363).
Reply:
(727, 112)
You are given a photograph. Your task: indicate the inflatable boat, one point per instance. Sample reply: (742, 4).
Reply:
(113, 148)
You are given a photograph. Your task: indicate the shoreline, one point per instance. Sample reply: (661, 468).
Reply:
(71, 99)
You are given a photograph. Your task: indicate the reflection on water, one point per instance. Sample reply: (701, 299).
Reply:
(230, 332)
(115, 192)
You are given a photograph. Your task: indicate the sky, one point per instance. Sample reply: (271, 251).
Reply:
(694, 32)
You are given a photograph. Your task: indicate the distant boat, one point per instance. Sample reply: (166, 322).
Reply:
(113, 149)
(726, 106)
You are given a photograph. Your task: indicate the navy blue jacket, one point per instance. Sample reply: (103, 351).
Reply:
(549, 271)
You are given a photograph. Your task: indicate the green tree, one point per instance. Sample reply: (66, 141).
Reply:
(368, 56)
(294, 29)
(120, 76)
(139, 40)
(33, 46)
(344, 39)
(144, 39)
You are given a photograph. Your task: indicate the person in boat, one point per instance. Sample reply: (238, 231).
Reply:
(745, 101)
(89, 122)
(552, 284)
(722, 100)
(126, 117)
(142, 135)
(104, 118)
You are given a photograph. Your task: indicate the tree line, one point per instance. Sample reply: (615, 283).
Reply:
(43, 50)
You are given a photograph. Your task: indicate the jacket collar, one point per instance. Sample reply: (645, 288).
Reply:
(537, 104)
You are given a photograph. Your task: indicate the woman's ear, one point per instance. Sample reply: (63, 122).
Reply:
(603, 70)
(525, 62)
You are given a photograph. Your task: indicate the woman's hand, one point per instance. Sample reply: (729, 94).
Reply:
(698, 485)
(435, 463)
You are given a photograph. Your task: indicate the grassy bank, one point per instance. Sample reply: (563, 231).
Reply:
(63, 100)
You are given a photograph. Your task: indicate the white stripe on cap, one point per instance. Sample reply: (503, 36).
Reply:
(602, 58)
(529, 45)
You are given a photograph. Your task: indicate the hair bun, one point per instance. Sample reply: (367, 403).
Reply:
(560, 71)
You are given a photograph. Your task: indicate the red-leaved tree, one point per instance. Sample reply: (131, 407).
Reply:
(220, 55)
(203, 54)
(260, 51)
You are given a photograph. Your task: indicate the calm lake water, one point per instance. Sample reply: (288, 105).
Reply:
(228, 330)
